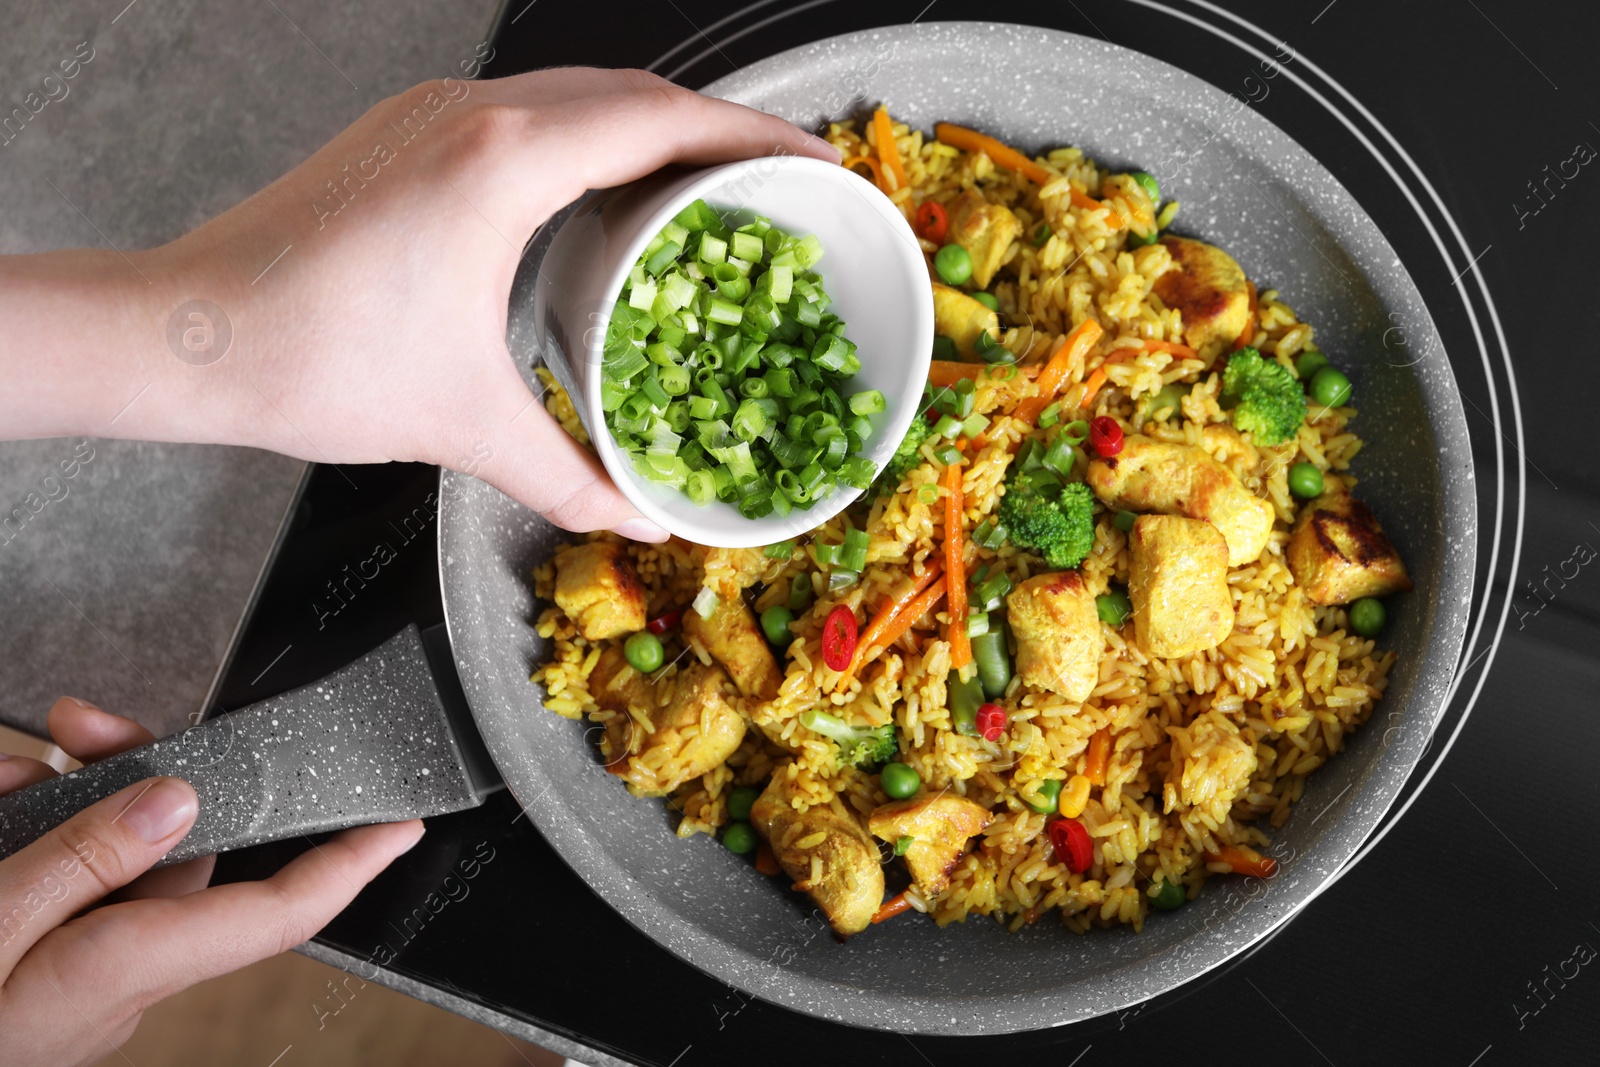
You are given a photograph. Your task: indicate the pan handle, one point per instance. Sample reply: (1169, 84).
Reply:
(369, 743)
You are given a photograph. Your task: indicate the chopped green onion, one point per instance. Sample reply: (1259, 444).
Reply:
(948, 455)
(705, 602)
(977, 623)
(989, 534)
(1074, 433)
(928, 493)
(781, 550)
(842, 579)
(1050, 416)
(948, 426)
(1124, 521)
(868, 402)
(853, 553)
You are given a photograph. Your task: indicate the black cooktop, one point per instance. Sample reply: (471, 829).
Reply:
(1466, 936)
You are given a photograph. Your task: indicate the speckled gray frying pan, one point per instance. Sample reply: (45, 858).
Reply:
(375, 740)
(1034, 88)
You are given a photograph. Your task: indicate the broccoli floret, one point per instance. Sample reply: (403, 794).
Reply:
(1270, 403)
(1060, 527)
(905, 458)
(858, 746)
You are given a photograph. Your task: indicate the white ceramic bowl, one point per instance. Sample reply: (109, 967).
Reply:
(871, 266)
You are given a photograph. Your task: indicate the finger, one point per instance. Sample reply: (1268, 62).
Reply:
(179, 880)
(538, 463)
(103, 847)
(19, 772)
(87, 734)
(656, 121)
(154, 948)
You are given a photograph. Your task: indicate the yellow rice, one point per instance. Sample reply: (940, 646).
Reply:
(1204, 749)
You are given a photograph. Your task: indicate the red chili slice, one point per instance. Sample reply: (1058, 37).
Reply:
(1105, 436)
(1072, 844)
(839, 638)
(932, 222)
(664, 623)
(991, 722)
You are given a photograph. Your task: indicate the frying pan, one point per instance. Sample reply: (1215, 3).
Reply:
(377, 741)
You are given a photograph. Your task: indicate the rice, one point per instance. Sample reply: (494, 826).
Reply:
(1205, 751)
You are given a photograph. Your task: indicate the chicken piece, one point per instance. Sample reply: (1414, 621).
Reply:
(685, 731)
(1207, 286)
(985, 230)
(1178, 582)
(961, 318)
(1058, 634)
(939, 827)
(1339, 553)
(846, 879)
(734, 638)
(616, 685)
(599, 590)
(1173, 479)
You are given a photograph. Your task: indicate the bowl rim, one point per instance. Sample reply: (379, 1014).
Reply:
(770, 529)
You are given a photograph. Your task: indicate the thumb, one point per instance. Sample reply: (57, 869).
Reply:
(100, 849)
(534, 461)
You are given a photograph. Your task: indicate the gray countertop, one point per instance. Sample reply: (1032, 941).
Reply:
(123, 583)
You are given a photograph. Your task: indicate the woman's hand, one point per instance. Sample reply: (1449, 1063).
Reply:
(366, 291)
(73, 984)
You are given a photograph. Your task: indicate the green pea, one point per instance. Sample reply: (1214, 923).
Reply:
(1170, 896)
(988, 300)
(1367, 617)
(775, 624)
(953, 265)
(1148, 183)
(643, 652)
(1124, 521)
(1049, 793)
(740, 801)
(1330, 388)
(899, 781)
(1309, 363)
(944, 348)
(739, 838)
(1305, 481)
(1113, 608)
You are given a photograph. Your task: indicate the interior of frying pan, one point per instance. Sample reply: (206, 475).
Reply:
(1314, 244)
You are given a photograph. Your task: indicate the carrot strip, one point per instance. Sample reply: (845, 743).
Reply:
(766, 862)
(1003, 154)
(871, 164)
(1071, 352)
(892, 631)
(955, 569)
(887, 152)
(1094, 768)
(891, 611)
(1006, 156)
(892, 907)
(949, 371)
(1248, 334)
(1170, 346)
(1245, 861)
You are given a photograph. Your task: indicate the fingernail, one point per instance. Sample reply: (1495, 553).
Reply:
(160, 810)
(642, 529)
